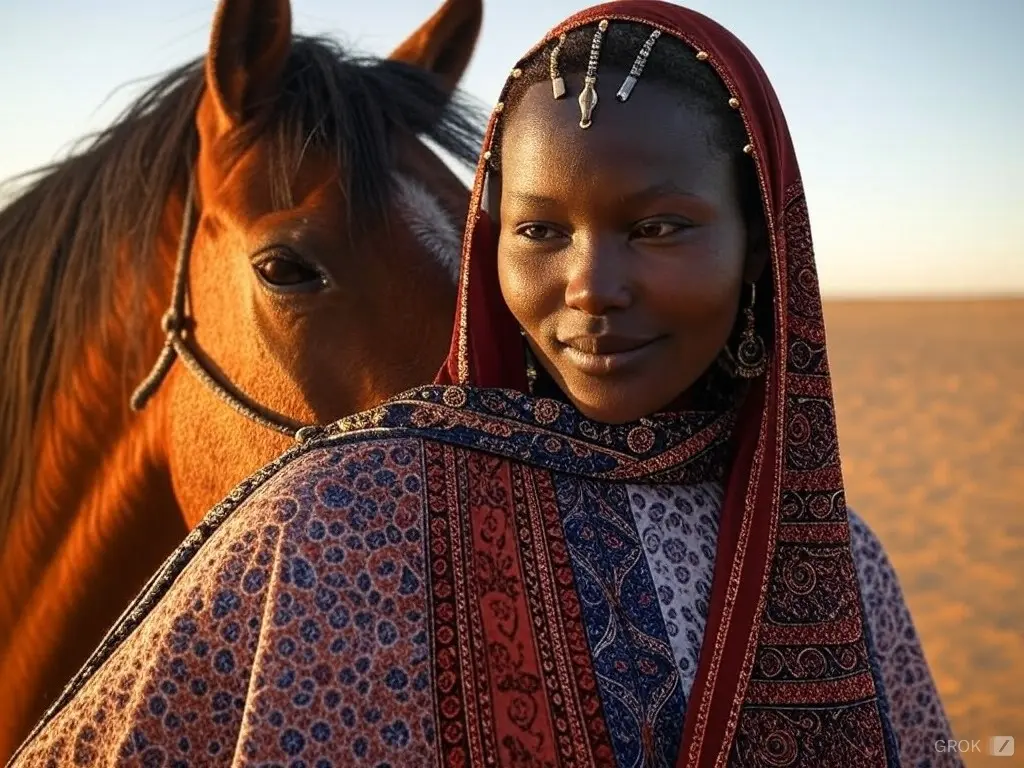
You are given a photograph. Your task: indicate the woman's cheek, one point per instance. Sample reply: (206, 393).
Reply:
(529, 287)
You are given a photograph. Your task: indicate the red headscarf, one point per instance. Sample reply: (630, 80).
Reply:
(784, 490)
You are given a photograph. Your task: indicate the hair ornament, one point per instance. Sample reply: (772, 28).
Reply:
(588, 96)
(638, 67)
(557, 82)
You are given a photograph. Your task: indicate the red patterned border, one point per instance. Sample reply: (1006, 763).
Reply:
(513, 676)
(585, 739)
(457, 694)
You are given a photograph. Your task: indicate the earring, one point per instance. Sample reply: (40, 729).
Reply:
(531, 364)
(750, 359)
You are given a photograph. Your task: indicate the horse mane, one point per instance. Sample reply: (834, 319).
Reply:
(63, 231)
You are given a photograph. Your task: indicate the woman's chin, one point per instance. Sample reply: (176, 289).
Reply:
(613, 405)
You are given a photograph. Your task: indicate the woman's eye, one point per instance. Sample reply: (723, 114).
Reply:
(282, 272)
(652, 230)
(537, 232)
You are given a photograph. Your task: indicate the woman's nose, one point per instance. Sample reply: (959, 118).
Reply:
(598, 279)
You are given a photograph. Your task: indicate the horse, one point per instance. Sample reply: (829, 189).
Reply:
(269, 224)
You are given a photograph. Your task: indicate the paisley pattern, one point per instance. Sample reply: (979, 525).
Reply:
(630, 649)
(918, 717)
(514, 686)
(813, 640)
(678, 527)
(299, 632)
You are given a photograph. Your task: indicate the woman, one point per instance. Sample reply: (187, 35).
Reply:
(613, 533)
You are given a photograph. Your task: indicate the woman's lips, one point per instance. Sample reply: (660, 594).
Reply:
(607, 354)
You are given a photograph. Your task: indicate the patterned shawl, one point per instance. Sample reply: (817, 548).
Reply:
(450, 579)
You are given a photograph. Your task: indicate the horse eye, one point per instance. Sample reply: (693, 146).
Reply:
(279, 271)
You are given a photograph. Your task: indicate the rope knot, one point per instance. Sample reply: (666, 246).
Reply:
(172, 323)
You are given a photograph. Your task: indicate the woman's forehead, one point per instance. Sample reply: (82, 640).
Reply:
(656, 133)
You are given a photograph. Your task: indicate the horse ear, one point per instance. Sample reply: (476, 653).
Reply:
(249, 46)
(444, 43)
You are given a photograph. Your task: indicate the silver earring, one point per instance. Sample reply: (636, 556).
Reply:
(750, 358)
(531, 364)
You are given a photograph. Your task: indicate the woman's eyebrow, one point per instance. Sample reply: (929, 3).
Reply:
(666, 188)
(654, 191)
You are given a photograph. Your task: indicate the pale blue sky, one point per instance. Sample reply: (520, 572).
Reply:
(907, 115)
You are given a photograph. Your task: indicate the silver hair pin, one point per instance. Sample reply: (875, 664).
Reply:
(588, 96)
(638, 67)
(557, 83)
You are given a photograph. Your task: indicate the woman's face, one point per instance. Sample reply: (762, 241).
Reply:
(623, 248)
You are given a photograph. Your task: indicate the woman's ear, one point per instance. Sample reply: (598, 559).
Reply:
(491, 199)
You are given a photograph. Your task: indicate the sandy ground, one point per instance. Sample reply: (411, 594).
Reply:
(930, 401)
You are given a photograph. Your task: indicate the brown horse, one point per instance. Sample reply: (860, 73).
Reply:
(276, 194)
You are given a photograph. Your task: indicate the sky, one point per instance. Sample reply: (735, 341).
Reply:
(907, 116)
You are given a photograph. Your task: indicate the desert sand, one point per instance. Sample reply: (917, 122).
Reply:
(930, 408)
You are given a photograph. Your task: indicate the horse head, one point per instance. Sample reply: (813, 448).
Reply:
(264, 240)
(326, 236)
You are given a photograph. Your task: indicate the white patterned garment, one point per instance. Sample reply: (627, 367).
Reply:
(679, 531)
